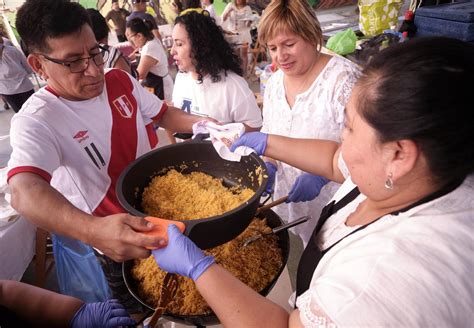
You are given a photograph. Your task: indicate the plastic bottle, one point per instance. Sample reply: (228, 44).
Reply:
(408, 27)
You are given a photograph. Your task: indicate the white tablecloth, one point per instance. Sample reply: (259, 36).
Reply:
(17, 248)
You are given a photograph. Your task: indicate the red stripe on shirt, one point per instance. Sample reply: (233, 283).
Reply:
(30, 169)
(152, 137)
(51, 90)
(124, 135)
(162, 112)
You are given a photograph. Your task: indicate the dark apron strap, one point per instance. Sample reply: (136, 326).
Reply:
(312, 254)
(155, 82)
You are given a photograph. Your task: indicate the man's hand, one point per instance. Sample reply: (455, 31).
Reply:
(118, 236)
(306, 187)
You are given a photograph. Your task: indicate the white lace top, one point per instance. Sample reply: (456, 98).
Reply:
(410, 270)
(316, 113)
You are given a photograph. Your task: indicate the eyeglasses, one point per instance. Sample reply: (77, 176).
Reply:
(80, 65)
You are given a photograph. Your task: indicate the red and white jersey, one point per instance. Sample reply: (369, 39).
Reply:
(81, 147)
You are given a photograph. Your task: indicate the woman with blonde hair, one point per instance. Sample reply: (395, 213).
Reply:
(305, 98)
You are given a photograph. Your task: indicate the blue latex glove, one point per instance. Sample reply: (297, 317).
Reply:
(255, 140)
(106, 314)
(306, 187)
(271, 171)
(182, 256)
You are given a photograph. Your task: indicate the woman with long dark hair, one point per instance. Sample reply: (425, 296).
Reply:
(209, 80)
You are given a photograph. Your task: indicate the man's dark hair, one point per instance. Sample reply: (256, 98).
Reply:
(421, 90)
(210, 52)
(38, 20)
(99, 25)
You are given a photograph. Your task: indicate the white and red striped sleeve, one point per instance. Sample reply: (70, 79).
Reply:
(35, 149)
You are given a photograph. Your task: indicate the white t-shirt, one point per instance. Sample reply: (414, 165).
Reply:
(408, 270)
(154, 48)
(14, 72)
(317, 113)
(238, 22)
(81, 147)
(211, 10)
(229, 101)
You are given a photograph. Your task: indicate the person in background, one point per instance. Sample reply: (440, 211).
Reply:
(115, 59)
(23, 305)
(75, 136)
(139, 11)
(236, 21)
(153, 64)
(394, 247)
(15, 86)
(305, 98)
(190, 5)
(209, 81)
(209, 6)
(119, 18)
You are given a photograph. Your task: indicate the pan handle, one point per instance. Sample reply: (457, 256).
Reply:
(292, 224)
(271, 204)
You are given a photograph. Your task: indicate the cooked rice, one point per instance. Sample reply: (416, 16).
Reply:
(196, 195)
(256, 265)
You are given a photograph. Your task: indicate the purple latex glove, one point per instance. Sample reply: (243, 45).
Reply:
(106, 314)
(271, 171)
(255, 140)
(306, 187)
(182, 256)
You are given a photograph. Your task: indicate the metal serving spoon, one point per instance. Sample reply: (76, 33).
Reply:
(276, 230)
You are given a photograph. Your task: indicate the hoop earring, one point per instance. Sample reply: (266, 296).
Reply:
(389, 181)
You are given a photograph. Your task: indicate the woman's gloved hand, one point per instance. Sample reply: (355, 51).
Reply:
(306, 187)
(271, 171)
(182, 256)
(108, 314)
(255, 140)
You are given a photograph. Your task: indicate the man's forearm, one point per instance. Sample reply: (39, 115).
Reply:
(176, 120)
(43, 205)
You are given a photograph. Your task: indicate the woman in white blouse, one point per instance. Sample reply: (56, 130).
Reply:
(395, 247)
(153, 63)
(305, 98)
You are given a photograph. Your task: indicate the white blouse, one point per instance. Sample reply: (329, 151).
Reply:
(317, 113)
(408, 270)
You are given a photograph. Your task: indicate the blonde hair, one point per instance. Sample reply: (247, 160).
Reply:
(294, 16)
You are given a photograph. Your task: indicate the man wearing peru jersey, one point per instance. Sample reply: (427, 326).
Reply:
(72, 139)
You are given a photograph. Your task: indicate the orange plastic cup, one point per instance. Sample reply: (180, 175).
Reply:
(160, 228)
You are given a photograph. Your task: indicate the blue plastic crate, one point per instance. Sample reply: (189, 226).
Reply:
(454, 20)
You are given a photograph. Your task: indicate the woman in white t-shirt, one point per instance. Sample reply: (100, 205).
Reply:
(236, 19)
(153, 63)
(209, 80)
(209, 6)
(395, 249)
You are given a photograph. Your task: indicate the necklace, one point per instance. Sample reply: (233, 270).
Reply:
(292, 90)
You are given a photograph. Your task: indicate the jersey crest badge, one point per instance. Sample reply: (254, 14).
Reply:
(123, 105)
(81, 136)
